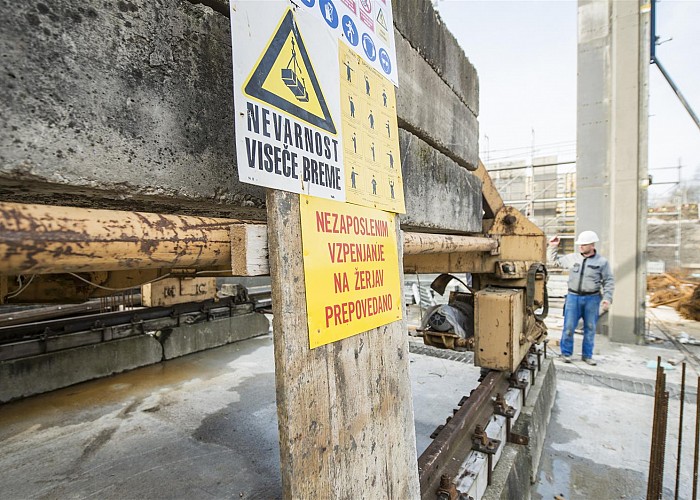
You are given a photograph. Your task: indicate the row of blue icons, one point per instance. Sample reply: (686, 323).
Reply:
(330, 15)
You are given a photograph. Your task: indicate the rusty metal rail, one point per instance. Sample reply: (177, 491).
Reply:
(454, 442)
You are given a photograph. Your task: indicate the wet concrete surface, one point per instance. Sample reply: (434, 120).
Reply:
(205, 426)
(202, 426)
(599, 437)
(598, 446)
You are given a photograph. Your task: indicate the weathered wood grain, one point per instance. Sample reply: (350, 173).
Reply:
(344, 409)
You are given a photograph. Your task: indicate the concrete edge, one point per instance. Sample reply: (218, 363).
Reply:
(47, 372)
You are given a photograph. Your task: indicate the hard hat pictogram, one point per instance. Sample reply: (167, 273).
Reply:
(284, 77)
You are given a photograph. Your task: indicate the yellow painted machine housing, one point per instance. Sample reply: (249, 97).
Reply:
(499, 322)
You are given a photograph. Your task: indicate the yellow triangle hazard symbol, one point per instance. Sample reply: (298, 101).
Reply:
(380, 18)
(285, 78)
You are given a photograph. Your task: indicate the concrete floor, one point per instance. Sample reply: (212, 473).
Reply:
(598, 441)
(202, 426)
(205, 426)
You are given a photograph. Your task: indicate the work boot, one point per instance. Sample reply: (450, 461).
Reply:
(589, 361)
(566, 359)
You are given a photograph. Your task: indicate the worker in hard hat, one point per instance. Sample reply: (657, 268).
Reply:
(591, 285)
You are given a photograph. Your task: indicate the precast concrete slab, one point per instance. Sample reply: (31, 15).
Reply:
(187, 339)
(421, 25)
(440, 195)
(47, 372)
(129, 106)
(38, 374)
(120, 105)
(430, 109)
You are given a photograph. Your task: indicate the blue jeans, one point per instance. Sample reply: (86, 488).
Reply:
(576, 307)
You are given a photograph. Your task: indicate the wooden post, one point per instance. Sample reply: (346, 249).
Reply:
(345, 412)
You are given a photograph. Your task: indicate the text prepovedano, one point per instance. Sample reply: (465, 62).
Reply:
(351, 269)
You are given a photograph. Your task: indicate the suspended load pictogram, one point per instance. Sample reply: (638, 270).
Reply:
(290, 77)
(285, 78)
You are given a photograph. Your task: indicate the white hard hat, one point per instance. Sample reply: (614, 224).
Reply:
(587, 237)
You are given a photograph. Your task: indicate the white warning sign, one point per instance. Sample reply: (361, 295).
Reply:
(286, 80)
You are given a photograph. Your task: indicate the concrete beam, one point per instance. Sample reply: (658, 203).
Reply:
(417, 21)
(421, 25)
(432, 111)
(128, 100)
(440, 195)
(38, 374)
(202, 336)
(128, 105)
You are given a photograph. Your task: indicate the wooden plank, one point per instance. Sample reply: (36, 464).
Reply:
(249, 250)
(177, 291)
(344, 409)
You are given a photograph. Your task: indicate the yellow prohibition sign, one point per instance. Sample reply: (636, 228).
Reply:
(285, 78)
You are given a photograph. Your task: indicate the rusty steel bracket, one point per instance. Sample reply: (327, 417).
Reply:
(518, 438)
(502, 408)
(515, 383)
(447, 490)
(481, 442)
(537, 352)
(531, 367)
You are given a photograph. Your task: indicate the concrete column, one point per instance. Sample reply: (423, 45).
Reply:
(593, 119)
(613, 64)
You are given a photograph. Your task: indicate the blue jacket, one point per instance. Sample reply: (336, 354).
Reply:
(586, 274)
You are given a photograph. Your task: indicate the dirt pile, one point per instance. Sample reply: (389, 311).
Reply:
(690, 307)
(670, 289)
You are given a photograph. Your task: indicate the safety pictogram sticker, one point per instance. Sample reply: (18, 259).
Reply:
(381, 19)
(370, 135)
(365, 25)
(285, 78)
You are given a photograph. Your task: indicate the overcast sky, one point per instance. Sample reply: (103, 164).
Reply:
(525, 55)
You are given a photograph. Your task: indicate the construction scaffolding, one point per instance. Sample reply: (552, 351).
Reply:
(544, 190)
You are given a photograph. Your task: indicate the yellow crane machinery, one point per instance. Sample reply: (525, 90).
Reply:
(62, 254)
(500, 317)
